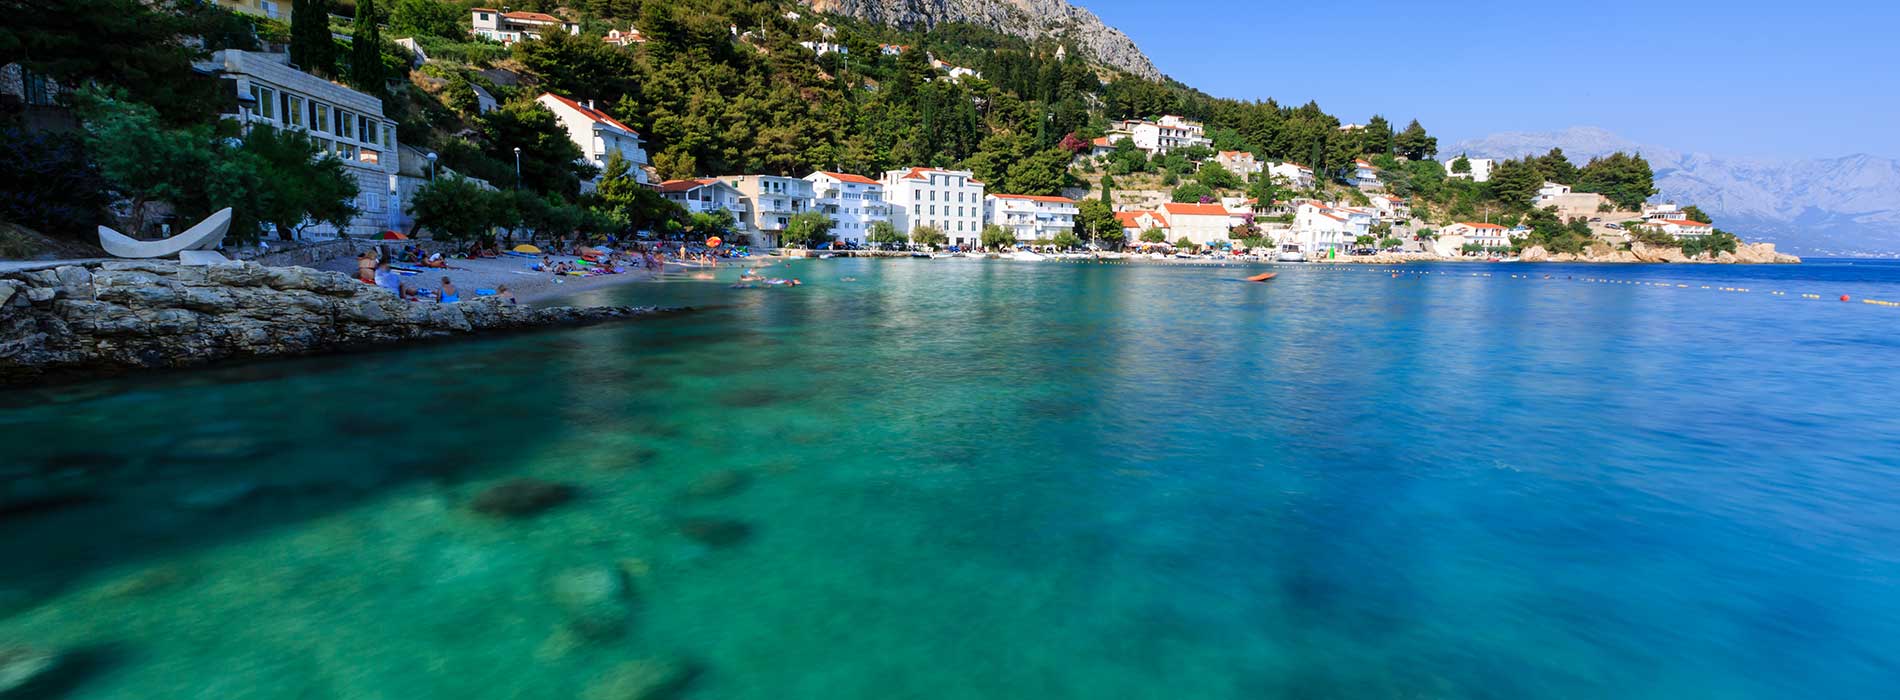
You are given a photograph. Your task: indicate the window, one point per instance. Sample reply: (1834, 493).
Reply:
(368, 127)
(266, 101)
(346, 151)
(389, 137)
(345, 123)
(372, 202)
(370, 157)
(293, 110)
(319, 117)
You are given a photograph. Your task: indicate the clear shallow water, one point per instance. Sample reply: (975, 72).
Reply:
(1007, 480)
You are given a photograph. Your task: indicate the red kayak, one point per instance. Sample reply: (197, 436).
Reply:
(1262, 277)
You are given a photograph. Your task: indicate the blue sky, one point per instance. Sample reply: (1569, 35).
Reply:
(1739, 78)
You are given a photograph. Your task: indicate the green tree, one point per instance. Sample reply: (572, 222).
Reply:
(1622, 178)
(1067, 240)
(1215, 177)
(928, 236)
(48, 183)
(1414, 143)
(550, 162)
(1191, 193)
(1461, 165)
(366, 50)
(1097, 221)
(997, 237)
(311, 47)
(1183, 242)
(627, 204)
(1377, 137)
(455, 208)
(1390, 242)
(415, 18)
(1556, 167)
(131, 44)
(1515, 182)
(1108, 190)
(291, 183)
(1044, 173)
(1154, 235)
(807, 228)
(1695, 213)
(578, 68)
(885, 232)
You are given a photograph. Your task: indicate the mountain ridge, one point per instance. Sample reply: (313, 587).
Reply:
(1839, 205)
(1025, 19)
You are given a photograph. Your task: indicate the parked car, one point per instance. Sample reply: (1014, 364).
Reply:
(1364, 251)
(1618, 227)
(1595, 219)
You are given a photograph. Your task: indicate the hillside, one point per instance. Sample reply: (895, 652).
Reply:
(1842, 205)
(1024, 19)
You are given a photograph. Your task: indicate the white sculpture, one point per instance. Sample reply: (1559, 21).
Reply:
(207, 235)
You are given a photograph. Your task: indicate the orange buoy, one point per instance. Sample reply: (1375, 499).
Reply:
(1843, 297)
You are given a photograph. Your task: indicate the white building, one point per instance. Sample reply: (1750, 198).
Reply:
(1134, 223)
(1682, 228)
(1665, 210)
(1364, 176)
(624, 39)
(1480, 169)
(510, 27)
(772, 202)
(854, 203)
(1320, 227)
(1296, 176)
(1170, 133)
(1239, 163)
(824, 47)
(1487, 235)
(951, 200)
(708, 195)
(597, 135)
(1031, 217)
(1550, 191)
(1204, 224)
(339, 120)
(1392, 207)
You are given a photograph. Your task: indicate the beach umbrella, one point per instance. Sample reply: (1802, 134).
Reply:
(394, 236)
(525, 248)
(713, 242)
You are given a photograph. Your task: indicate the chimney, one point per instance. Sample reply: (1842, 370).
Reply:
(590, 103)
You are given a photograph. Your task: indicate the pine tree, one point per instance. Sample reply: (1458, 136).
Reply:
(366, 54)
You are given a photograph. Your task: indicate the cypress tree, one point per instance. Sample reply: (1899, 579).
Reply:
(311, 47)
(366, 55)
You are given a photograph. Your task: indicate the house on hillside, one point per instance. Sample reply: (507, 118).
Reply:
(1320, 227)
(624, 39)
(854, 203)
(950, 200)
(892, 49)
(1682, 228)
(824, 47)
(1104, 145)
(1364, 175)
(1240, 163)
(1480, 169)
(1296, 176)
(1163, 135)
(1664, 210)
(597, 135)
(1487, 235)
(265, 90)
(707, 195)
(1392, 207)
(1551, 190)
(1204, 224)
(510, 27)
(1139, 220)
(1031, 217)
(772, 201)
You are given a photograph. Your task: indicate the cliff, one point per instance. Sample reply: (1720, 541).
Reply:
(1027, 19)
(110, 317)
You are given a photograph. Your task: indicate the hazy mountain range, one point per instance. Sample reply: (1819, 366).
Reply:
(1844, 205)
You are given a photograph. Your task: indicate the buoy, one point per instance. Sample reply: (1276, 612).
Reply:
(1843, 297)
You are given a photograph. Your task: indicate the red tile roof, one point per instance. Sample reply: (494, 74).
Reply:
(1681, 222)
(594, 115)
(1178, 209)
(1231, 154)
(919, 174)
(1036, 198)
(1103, 141)
(686, 185)
(1483, 226)
(848, 177)
(1132, 219)
(533, 17)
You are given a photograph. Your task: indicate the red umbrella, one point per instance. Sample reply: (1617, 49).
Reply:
(394, 236)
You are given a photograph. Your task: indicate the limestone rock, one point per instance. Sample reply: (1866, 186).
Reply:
(1026, 19)
(644, 679)
(521, 497)
(1534, 253)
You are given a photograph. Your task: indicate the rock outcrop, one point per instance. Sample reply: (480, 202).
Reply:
(1027, 19)
(115, 316)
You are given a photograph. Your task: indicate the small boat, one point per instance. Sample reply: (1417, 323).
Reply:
(827, 256)
(1027, 256)
(941, 256)
(1291, 253)
(1510, 259)
(1262, 277)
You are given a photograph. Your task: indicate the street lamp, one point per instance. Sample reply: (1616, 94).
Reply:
(517, 167)
(432, 166)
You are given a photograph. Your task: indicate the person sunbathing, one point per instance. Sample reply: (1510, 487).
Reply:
(436, 261)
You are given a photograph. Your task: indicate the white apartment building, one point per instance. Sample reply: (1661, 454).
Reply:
(1487, 235)
(951, 200)
(1031, 217)
(1169, 133)
(1392, 207)
(1294, 175)
(1204, 224)
(341, 121)
(707, 195)
(597, 135)
(1319, 227)
(772, 202)
(510, 27)
(854, 203)
(1239, 163)
(1682, 228)
(1480, 169)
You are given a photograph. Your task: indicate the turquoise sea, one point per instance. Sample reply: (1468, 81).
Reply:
(965, 479)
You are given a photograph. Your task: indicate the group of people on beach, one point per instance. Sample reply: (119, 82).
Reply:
(372, 269)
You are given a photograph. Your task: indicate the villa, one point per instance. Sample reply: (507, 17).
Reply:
(1168, 133)
(1682, 228)
(854, 203)
(1203, 224)
(824, 47)
(1135, 222)
(1665, 210)
(1296, 176)
(1320, 227)
(624, 39)
(1487, 235)
(1551, 190)
(950, 200)
(773, 201)
(1480, 169)
(350, 124)
(1031, 217)
(1392, 207)
(597, 135)
(707, 195)
(1364, 176)
(510, 27)
(1239, 163)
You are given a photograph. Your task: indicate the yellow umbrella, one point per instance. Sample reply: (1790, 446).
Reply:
(525, 248)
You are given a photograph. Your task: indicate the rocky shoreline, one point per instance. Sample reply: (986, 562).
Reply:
(1637, 253)
(103, 318)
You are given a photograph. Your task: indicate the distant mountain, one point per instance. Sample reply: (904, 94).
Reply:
(1027, 19)
(1813, 206)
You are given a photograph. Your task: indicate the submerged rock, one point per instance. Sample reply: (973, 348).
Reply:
(23, 666)
(719, 484)
(598, 600)
(644, 679)
(715, 532)
(521, 497)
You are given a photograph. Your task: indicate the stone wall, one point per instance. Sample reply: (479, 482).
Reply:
(109, 317)
(312, 253)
